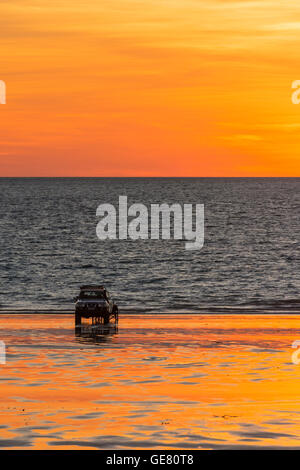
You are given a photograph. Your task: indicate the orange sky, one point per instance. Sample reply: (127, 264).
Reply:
(149, 88)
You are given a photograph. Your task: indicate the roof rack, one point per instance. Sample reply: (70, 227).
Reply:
(92, 287)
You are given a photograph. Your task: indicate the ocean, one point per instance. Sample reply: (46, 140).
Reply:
(249, 262)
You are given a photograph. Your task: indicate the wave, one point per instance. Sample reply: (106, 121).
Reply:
(291, 306)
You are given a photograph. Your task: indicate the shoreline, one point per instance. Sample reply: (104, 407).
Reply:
(145, 313)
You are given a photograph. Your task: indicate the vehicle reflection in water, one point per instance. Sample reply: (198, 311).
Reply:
(95, 333)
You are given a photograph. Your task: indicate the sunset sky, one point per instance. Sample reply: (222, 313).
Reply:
(149, 88)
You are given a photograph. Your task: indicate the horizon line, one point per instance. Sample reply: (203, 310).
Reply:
(144, 176)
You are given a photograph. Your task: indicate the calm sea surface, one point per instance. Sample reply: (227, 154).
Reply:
(250, 258)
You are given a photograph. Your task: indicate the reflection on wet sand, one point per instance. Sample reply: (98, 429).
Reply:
(158, 381)
(95, 333)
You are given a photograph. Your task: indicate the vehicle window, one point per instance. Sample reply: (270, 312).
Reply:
(88, 294)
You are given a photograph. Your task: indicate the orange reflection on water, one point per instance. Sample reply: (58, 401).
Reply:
(158, 381)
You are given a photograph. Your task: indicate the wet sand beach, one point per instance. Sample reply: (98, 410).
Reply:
(158, 381)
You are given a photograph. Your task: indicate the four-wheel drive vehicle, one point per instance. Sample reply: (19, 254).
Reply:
(95, 301)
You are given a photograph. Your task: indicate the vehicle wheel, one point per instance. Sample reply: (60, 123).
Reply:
(115, 312)
(77, 318)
